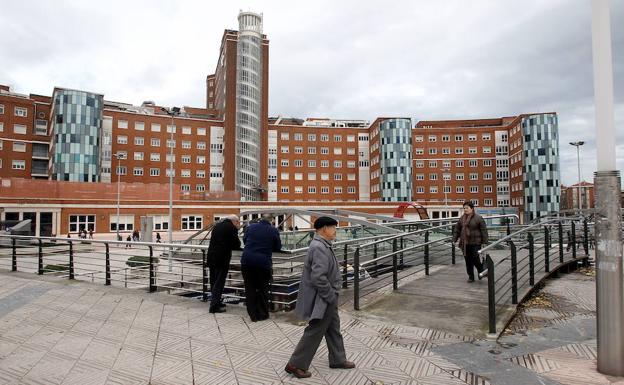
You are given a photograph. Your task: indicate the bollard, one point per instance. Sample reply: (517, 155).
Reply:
(204, 276)
(107, 278)
(356, 279)
(344, 267)
(395, 278)
(14, 255)
(546, 249)
(531, 259)
(514, 274)
(71, 260)
(152, 274)
(491, 294)
(40, 258)
(426, 252)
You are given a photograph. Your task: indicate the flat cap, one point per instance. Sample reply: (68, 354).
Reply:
(324, 221)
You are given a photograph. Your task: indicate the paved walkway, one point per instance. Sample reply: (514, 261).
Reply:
(59, 332)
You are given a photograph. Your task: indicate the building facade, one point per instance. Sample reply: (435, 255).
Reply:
(231, 146)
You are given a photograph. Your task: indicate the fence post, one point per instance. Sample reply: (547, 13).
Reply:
(401, 260)
(531, 259)
(546, 249)
(491, 294)
(40, 258)
(14, 255)
(152, 274)
(560, 242)
(107, 277)
(508, 227)
(426, 253)
(573, 239)
(71, 260)
(514, 274)
(375, 252)
(585, 237)
(204, 277)
(395, 277)
(344, 267)
(356, 279)
(452, 252)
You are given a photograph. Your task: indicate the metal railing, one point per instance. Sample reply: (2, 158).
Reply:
(517, 262)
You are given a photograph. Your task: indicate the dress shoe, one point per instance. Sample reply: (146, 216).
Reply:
(470, 280)
(295, 371)
(344, 365)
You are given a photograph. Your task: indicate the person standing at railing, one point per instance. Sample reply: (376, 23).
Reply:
(471, 232)
(261, 240)
(223, 239)
(317, 302)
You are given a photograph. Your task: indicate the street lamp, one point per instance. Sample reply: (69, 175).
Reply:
(173, 111)
(578, 163)
(445, 170)
(118, 156)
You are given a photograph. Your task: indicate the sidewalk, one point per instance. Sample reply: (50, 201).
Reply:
(60, 332)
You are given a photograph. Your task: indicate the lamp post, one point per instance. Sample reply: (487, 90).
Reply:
(578, 164)
(118, 156)
(172, 112)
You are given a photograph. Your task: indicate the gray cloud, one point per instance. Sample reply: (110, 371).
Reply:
(348, 59)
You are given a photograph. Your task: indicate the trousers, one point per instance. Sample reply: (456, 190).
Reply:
(257, 281)
(328, 327)
(217, 283)
(473, 260)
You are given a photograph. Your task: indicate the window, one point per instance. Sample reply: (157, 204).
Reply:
(200, 187)
(201, 145)
(186, 144)
(337, 176)
(337, 163)
(446, 150)
(139, 126)
(137, 171)
(420, 151)
(350, 176)
(324, 150)
(350, 138)
(19, 129)
(487, 202)
(192, 222)
(337, 190)
(433, 189)
(285, 162)
(1, 109)
(185, 173)
(122, 124)
(161, 222)
(459, 189)
(459, 138)
(351, 151)
(351, 164)
(324, 137)
(324, 176)
(284, 136)
(473, 163)
(487, 150)
(1, 127)
(155, 127)
(171, 129)
(486, 137)
(337, 138)
(420, 176)
(298, 150)
(155, 157)
(474, 189)
(298, 136)
(186, 130)
(81, 222)
(312, 137)
(337, 150)
(487, 176)
(433, 176)
(311, 163)
(201, 131)
(324, 163)
(122, 154)
(472, 150)
(285, 176)
(298, 190)
(459, 150)
(459, 163)
(420, 164)
(185, 187)
(446, 138)
(126, 222)
(312, 176)
(200, 174)
(433, 163)
(138, 156)
(433, 138)
(419, 138)
(433, 151)
(18, 165)
(200, 159)
(487, 189)
(298, 163)
(487, 162)
(21, 111)
(459, 176)
(311, 190)
(41, 127)
(284, 189)
(19, 147)
(298, 176)
(139, 141)
(121, 170)
(446, 164)
(154, 172)
(285, 149)
(186, 159)
(155, 142)
(324, 190)
(351, 189)
(312, 150)
(472, 137)
(122, 139)
(420, 190)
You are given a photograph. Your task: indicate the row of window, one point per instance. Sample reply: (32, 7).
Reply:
(458, 189)
(155, 127)
(312, 189)
(458, 163)
(126, 222)
(458, 176)
(298, 136)
(139, 171)
(312, 163)
(458, 150)
(155, 142)
(155, 157)
(311, 176)
(17, 111)
(312, 150)
(447, 138)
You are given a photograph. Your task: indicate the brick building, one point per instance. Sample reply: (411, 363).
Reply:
(231, 147)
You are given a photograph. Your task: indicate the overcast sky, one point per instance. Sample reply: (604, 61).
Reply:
(340, 59)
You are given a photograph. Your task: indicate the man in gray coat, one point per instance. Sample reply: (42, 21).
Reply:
(317, 302)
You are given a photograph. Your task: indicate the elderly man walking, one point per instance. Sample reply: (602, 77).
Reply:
(261, 240)
(223, 239)
(317, 302)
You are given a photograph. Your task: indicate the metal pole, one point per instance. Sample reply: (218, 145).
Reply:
(356, 279)
(107, 279)
(40, 257)
(171, 193)
(204, 277)
(426, 253)
(586, 239)
(152, 274)
(546, 249)
(578, 164)
(531, 259)
(514, 274)
(118, 192)
(491, 294)
(395, 277)
(573, 238)
(13, 255)
(344, 267)
(71, 261)
(609, 272)
(560, 242)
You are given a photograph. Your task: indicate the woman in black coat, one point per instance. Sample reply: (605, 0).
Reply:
(471, 232)
(223, 239)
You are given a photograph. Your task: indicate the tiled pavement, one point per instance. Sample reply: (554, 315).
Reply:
(56, 332)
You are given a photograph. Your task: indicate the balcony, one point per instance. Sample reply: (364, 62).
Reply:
(39, 169)
(40, 151)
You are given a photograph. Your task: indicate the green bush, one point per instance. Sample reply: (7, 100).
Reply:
(139, 261)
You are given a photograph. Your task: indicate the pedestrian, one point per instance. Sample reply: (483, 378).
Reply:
(471, 232)
(128, 240)
(223, 239)
(157, 237)
(317, 302)
(90, 233)
(135, 236)
(68, 235)
(261, 240)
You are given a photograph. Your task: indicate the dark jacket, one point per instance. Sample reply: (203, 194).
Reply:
(478, 231)
(223, 239)
(261, 239)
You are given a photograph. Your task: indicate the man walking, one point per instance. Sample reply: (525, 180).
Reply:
(317, 302)
(223, 239)
(471, 232)
(261, 240)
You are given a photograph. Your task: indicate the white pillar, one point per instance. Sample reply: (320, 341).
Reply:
(38, 224)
